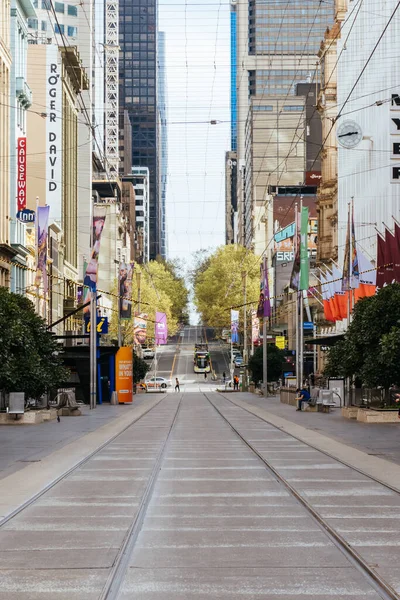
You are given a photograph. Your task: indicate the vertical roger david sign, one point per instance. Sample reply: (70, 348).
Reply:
(53, 131)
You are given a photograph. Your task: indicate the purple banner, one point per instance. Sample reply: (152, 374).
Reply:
(161, 329)
(264, 303)
(90, 280)
(41, 244)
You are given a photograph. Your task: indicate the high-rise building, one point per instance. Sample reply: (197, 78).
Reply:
(276, 49)
(163, 141)
(141, 184)
(138, 95)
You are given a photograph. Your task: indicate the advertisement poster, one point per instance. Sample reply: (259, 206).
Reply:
(125, 274)
(41, 245)
(255, 327)
(161, 329)
(124, 375)
(235, 326)
(140, 329)
(90, 280)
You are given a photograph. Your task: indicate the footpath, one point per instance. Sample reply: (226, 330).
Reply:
(34, 457)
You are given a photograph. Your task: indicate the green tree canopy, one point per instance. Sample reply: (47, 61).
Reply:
(275, 360)
(29, 354)
(162, 290)
(370, 349)
(140, 368)
(220, 284)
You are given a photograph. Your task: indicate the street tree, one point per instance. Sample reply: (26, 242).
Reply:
(370, 350)
(140, 368)
(30, 359)
(220, 285)
(275, 360)
(159, 291)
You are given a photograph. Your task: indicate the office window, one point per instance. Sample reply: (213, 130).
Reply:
(44, 25)
(263, 108)
(59, 7)
(59, 29)
(72, 31)
(46, 4)
(32, 23)
(293, 108)
(72, 10)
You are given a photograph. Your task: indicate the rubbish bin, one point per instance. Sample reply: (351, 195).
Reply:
(114, 398)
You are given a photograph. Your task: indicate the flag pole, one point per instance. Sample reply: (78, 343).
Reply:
(301, 317)
(265, 351)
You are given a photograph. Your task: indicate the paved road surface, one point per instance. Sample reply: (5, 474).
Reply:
(199, 499)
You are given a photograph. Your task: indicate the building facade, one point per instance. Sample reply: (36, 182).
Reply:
(6, 252)
(138, 95)
(20, 102)
(163, 140)
(52, 161)
(270, 64)
(141, 183)
(368, 162)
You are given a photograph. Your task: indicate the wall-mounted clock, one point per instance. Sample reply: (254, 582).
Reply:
(349, 134)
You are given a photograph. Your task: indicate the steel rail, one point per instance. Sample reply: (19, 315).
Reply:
(121, 564)
(381, 587)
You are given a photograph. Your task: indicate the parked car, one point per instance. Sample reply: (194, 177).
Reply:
(238, 360)
(236, 352)
(148, 353)
(156, 383)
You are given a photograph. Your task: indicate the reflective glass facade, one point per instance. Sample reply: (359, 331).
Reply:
(272, 25)
(138, 94)
(233, 81)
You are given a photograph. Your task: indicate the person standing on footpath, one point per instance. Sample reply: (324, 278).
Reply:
(177, 388)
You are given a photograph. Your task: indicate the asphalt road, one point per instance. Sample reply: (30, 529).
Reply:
(176, 359)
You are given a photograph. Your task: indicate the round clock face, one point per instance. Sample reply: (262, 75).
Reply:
(349, 134)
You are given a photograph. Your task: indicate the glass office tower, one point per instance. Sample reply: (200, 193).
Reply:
(138, 95)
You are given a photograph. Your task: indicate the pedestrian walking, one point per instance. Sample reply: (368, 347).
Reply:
(236, 383)
(205, 376)
(177, 388)
(223, 377)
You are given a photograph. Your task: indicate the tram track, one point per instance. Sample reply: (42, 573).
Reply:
(376, 581)
(121, 563)
(77, 466)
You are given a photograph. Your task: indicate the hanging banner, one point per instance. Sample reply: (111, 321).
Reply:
(161, 329)
(304, 270)
(295, 276)
(90, 279)
(124, 375)
(264, 303)
(140, 329)
(255, 327)
(125, 274)
(21, 173)
(235, 326)
(41, 245)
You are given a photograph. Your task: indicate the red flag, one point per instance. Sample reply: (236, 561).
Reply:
(328, 314)
(394, 252)
(380, 261)
(341, 304)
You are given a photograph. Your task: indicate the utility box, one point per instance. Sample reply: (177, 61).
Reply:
(16, 403)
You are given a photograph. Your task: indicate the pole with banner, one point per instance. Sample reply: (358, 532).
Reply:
(304, 284)
(234, 335)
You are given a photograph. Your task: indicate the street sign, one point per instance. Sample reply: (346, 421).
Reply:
(280, 342)
(308, 325)
(102, 325)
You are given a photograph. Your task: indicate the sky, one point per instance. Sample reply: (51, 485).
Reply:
(198, 91)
